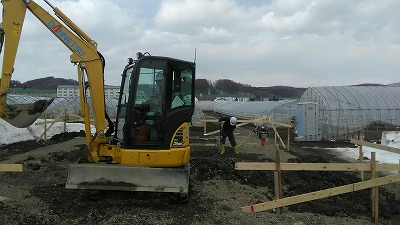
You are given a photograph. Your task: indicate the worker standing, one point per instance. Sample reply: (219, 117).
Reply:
(227, 131)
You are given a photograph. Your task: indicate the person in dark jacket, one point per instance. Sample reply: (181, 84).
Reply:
(227, 131)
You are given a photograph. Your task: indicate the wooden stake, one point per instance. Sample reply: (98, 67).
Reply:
(315, 166)
(361, 153)
(288, 138)
(378, 146)
(278, 178)
(65, 119)
(321, 194)
(398, 188)
(243, 123)
(277, 135)
(374, 190)
(10, 167)
(45, 128)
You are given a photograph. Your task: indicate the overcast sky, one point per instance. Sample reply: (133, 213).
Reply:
(297, 43)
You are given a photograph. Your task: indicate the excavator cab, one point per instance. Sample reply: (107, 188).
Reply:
(156, 98)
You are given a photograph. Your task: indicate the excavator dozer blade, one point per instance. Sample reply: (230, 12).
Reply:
(24, 115)
(128, 178)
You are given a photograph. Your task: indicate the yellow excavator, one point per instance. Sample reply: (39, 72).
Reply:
(146, 147)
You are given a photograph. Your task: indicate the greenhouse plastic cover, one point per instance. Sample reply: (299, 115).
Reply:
(280, 111)
(346, 109)
(72, 105)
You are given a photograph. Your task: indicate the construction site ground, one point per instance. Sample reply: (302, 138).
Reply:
(217, 191)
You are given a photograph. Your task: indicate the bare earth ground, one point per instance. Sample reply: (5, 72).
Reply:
(38, 196)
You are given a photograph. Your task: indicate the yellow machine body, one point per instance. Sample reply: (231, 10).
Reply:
(146, 148)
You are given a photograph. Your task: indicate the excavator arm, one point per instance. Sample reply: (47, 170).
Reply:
(90, 65)
(20, 115)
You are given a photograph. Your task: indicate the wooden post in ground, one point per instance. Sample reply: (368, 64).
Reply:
(278, 136)
(361, 154)
(65, 119)
(288, 138)
(321, 194)
(398, 188)
(278, 178)
(45, 127)
(9, 168)
(374, 190)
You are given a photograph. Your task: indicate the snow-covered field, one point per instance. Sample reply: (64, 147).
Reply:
(10, 134)
(389, 138)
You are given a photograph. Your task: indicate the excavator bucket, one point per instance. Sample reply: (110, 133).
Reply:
(24, 115)
(128, 178)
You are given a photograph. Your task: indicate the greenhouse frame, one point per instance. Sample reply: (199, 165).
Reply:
(72, 105)
(279, 111)
(322, 113)
(345, 110)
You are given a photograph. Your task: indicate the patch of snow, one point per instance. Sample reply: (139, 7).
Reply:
(10, 134)
(389, 138)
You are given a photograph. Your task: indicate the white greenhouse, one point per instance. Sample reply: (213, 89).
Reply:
(72, 105)
(334, 113)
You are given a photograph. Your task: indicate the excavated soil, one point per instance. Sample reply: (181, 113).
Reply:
(37, 195)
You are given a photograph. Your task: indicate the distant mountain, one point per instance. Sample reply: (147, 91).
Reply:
(369, 84)
(43, 83)
(203, 87)
(282, 91)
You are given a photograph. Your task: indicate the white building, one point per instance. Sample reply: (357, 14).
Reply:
(66, 91)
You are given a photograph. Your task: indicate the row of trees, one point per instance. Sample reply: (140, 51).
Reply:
(203, 87)
(43, 83)
(226, 86)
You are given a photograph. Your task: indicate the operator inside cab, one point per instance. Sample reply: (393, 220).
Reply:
(156, 101)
